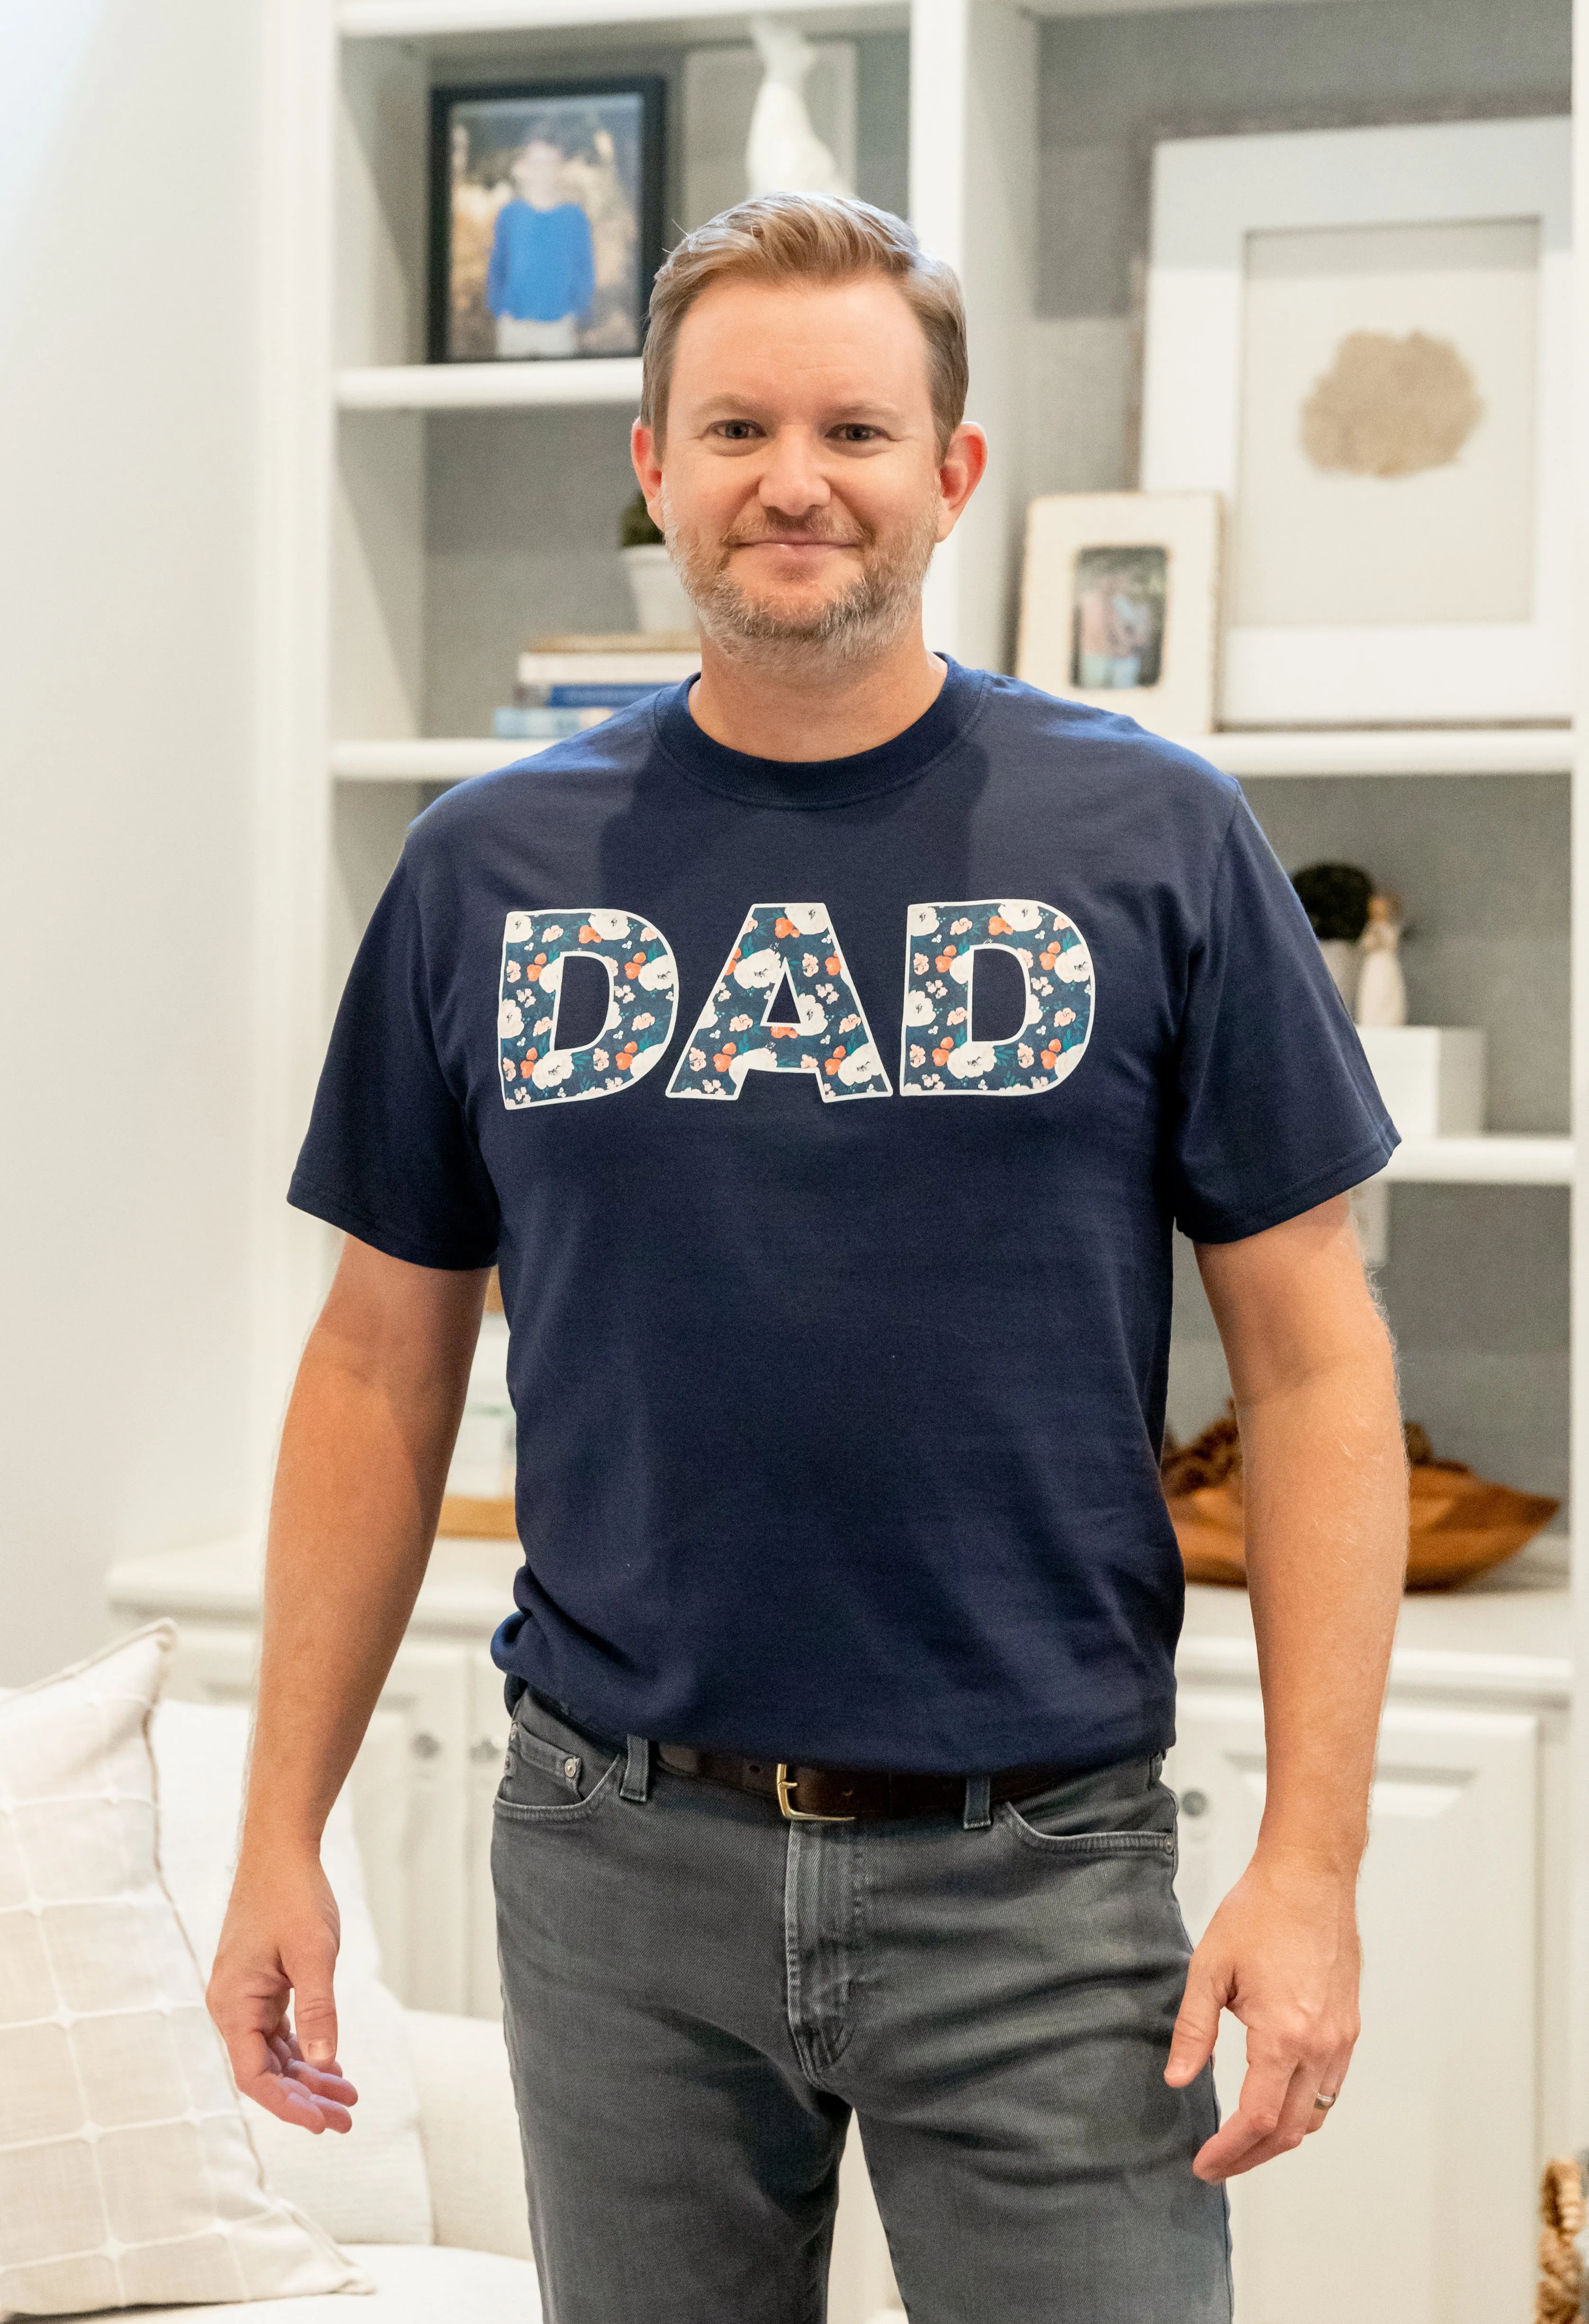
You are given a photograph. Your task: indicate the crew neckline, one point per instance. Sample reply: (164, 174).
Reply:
(818, 782)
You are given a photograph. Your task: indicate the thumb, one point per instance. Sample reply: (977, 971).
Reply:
(1196, 2026)
(314, 2007)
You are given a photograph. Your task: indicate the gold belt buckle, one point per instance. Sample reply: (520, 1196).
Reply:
(799, 1815)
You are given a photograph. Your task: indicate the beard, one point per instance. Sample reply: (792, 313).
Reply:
(861, 621)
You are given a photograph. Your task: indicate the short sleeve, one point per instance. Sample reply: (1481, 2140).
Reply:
(390, 1156)
(1275, 1107)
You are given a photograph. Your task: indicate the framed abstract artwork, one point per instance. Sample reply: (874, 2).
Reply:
(1362, 338)
(546, 219)
(1119, 604)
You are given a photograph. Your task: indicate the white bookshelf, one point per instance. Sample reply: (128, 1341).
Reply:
(488, 386)
(1389, 751)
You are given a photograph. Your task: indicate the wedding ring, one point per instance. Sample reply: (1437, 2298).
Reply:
(1324, 2100)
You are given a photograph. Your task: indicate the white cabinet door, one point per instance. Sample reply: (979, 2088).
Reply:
(409, 1791)
(488, 1743)
(1415, 2205)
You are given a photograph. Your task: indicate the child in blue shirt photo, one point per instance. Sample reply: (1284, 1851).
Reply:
(542, 269)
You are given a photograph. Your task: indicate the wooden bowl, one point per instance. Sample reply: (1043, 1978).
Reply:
(1460, 1524)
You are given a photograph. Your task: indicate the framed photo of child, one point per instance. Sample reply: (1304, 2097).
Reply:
(546, 219)
(1119, 604)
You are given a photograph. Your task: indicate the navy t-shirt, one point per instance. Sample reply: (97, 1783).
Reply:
(829, 1123)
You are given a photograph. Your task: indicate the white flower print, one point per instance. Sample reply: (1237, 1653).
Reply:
(601, 1061)
(550, 936)
(639, 1023)
(918, 1009)
(921, 920)
(955, 1016)
(917, 1054)
(959, 928)
(554, 1067)
(697, 1058)
(513, 972)
(739, 1024)
(1026, 1057)
(510, 1022)
(808, 964)
(1019, 913)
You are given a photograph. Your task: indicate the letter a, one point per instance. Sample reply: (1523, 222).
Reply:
(937, 1056)
(736, 1034)
(643, 992)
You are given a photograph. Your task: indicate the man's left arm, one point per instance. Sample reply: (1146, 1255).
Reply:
(1325, 1481)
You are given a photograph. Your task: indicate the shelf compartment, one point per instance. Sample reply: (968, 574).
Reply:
(488, 386)
(1497, 1158)
(1389, 751)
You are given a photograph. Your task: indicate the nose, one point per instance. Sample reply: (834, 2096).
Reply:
(792, 482)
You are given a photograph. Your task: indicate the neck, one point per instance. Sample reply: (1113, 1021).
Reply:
(794, 703)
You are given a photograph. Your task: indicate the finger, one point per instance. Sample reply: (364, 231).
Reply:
(1253, 2133)
(1330, 2084)
(331, 2084)
(314, 2008)
(1197, 2024)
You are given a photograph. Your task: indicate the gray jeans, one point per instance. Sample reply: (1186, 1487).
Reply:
(698, 1995)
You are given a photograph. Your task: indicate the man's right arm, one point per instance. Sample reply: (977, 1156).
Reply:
(359, 1478)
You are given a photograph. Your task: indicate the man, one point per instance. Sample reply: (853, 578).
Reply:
(824, 1051)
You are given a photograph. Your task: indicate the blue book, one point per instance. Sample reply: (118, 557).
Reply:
(601, 697)
(521, 722)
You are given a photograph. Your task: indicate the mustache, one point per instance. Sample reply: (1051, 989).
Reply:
(797, 531)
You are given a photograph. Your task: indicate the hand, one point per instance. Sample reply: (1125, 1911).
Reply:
(1282, 1954)
(280, 1942)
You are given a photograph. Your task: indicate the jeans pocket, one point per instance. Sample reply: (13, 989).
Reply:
(555, 1773)
(1120, 1810)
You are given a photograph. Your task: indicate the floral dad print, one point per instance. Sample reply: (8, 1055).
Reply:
(782, 948)
(785, 1002)
(643, 993)
(937, 1056)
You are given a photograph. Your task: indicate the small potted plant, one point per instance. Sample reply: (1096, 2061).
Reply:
(661, 606)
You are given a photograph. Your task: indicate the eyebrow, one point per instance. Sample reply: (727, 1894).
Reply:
(873, 410)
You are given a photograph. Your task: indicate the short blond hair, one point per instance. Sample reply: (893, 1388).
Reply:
(810, 238)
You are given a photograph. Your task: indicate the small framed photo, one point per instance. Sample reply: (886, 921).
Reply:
(546, 219)
(1120, 604)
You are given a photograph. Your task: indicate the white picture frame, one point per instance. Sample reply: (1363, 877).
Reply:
(1211, 197)
(1076, 538)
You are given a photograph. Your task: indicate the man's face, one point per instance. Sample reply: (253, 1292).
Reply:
(799, 485)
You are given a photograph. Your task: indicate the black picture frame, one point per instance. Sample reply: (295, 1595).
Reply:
(630, 112)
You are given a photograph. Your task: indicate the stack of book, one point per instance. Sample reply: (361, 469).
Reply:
(569, 682)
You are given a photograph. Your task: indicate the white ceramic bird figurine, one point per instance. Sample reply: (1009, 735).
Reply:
(784, 155)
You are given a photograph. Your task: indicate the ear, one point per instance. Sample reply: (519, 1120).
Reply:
(960, 471)
(645, 454)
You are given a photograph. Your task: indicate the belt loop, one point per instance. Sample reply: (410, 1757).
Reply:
(979, 1812)
(637, 1772)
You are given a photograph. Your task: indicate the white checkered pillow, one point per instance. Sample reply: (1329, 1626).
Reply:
(126, 2172)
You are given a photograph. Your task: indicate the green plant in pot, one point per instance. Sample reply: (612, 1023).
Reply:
(661, 606)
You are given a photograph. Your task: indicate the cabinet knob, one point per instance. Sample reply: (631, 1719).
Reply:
(424, 1746)
(1193, 1803)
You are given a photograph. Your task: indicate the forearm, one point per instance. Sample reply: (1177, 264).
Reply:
(358, 1488)
(1324, 1482)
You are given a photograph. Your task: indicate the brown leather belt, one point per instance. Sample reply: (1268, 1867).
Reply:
(842, 1794)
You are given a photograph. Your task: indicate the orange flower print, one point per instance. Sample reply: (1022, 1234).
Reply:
(944, 1052)
(832, 964)
(721, 1061)
(532, 968)
(831, 1064)
(1051, 1057)
(1049, 953)
(946, 957)
(528, 1059)
(587, 934)
(626, 1056)
(784, 1032)
(999, 925)
(784, 926)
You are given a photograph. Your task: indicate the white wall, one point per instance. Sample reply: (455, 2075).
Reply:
(128, 168)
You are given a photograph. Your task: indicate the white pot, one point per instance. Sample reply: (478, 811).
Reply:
(1343, 960)
(659, 601)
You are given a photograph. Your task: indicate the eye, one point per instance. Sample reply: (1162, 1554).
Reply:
(858, 431)
(737, 431)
